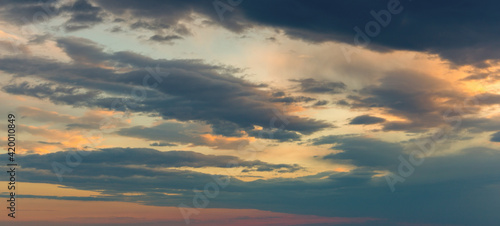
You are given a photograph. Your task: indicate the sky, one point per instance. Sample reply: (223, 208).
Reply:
(251, 112)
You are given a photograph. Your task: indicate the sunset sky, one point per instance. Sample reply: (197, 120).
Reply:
(252, 112)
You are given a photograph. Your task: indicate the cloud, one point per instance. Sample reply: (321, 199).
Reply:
(464, 177)
(184, 133)
(125, 158)
(476, 77)
(83, 51)
(9, 47)
(487, 98)
(166, 38)
(56, 93)
(214, 95)
(29, 11)
(275, 134)
(479, 125)
(83, 15)
(162, 144)
(170, 13)
(290, 99)
(312, 86)
(91, 119)
(419, 26)
(420, 100)
(414, 27)
(361, 151)
(495, 137)
(53, 143)
(215, 106)
(342, 103)
(366, 120)
(320, 103)
(54, 139)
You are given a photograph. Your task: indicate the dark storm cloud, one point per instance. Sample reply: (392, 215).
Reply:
(290, 99)
(283, 168)
(366, 120)
(151, 158)
(117, 169)
(495, 137)
(342, 103)
(278, 94)
(149, 26)
(275, 134)
(470, 38)
(79, 126)
(55, 93)
(226, 128)
(28, 11)
(162, 144)
(320, 103)
(479, 125)
(488, 98)
(313, 86)
(83, 51)
(83, 15)
(361, 151)
(469, 177)
(166, 38)
(423, 101)
(476, 77)
(164, 14)
(407, 92)
(185, 89)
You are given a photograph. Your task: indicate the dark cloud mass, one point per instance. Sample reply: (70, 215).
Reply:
(182, 103)
(470, 38)
(56, 93)
(312, 86)
(366, 120)
(495, 137)
(185, 89)
(24, 11)
(83, 15)
(466, 178)
(419, 25)
(167, 38)
(423, 101)
(360, 151)
(127, 157)
(162, 144)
